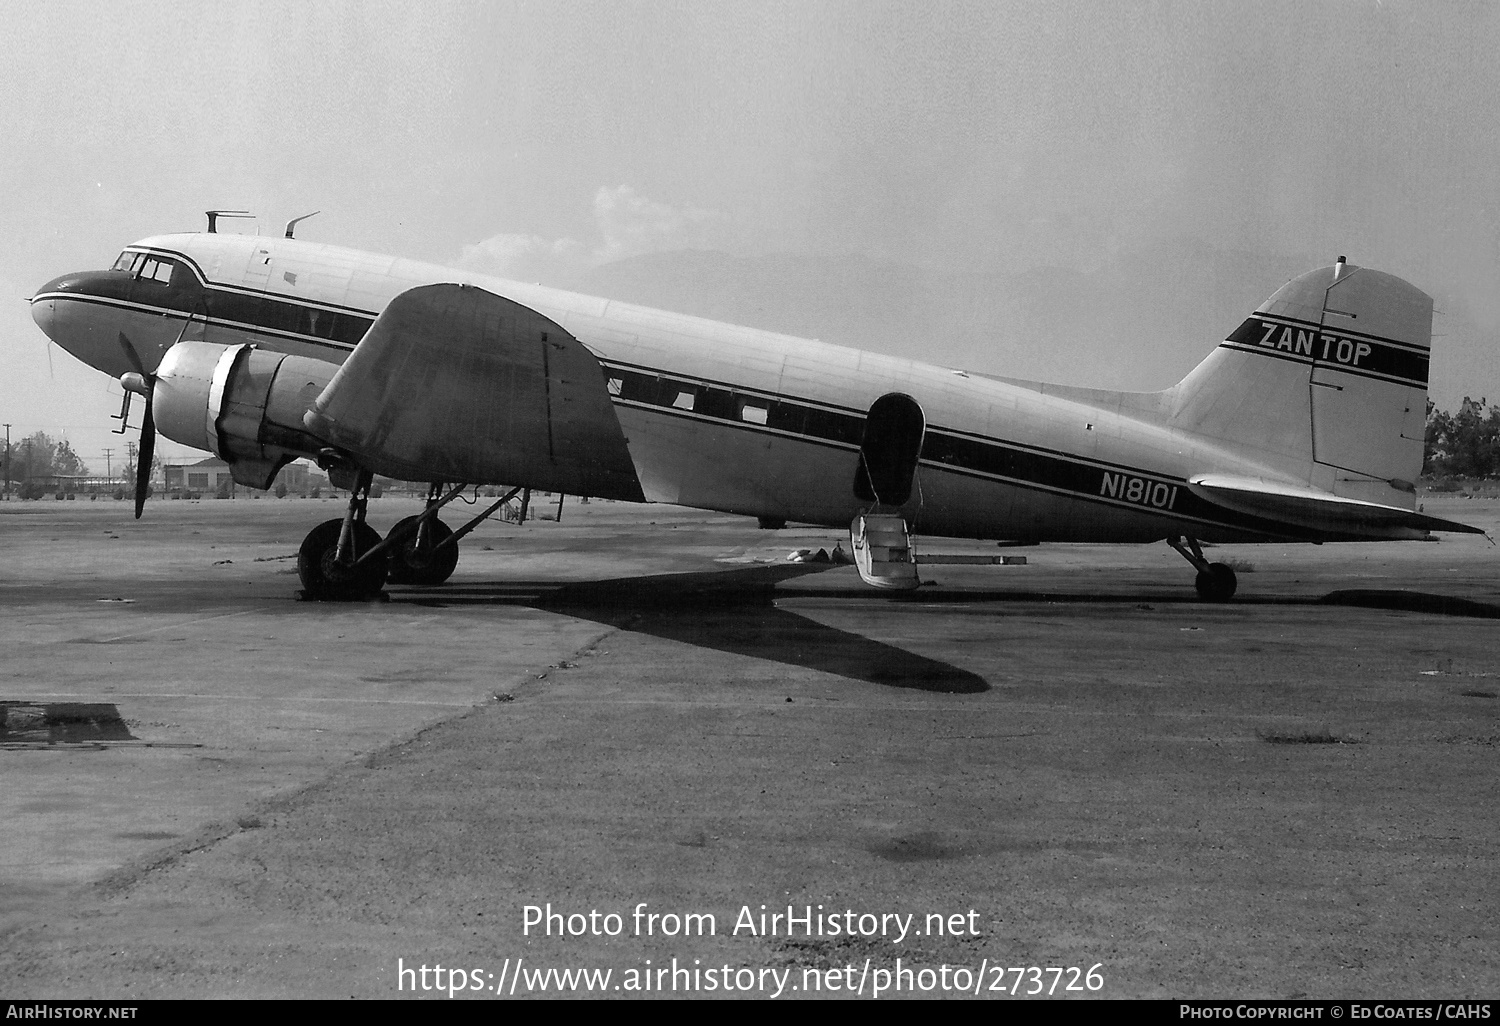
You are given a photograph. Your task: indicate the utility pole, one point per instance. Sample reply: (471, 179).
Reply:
(7, 463)
(109, 478)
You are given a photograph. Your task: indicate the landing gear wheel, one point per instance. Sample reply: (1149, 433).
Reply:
(409, 566)
(1217, 583)
(323, 577)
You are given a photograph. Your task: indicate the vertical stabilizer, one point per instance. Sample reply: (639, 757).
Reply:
(1326, 381)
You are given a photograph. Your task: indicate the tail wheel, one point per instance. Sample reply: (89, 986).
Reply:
(1217, 583)
(410, 566)
(324, 577)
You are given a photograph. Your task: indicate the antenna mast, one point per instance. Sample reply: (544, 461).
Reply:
(293, 222)
(214, 215)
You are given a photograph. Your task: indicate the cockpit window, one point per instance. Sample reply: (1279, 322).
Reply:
(157, 269)
(128, 261)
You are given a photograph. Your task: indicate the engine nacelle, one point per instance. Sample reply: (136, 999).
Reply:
(243, 404)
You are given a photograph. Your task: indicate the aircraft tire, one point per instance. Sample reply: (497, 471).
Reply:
(408, 568)
(1217, 583)
(322, 578)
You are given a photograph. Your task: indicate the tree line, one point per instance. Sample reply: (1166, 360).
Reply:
(38, 455)
(33, 465)
(1465, 443)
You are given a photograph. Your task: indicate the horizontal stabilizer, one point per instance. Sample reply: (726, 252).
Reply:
(453, 383)
(1302, 506)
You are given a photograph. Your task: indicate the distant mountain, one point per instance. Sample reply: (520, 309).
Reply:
(1138, 321)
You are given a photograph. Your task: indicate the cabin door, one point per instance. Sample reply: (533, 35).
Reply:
(888, 454)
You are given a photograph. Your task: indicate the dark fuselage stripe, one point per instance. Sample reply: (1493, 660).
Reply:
(998, 462)
(719, 400)
(251, 327)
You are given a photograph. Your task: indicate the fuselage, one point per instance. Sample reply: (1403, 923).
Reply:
(717, 416)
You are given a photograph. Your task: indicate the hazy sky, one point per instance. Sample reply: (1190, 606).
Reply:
(539, 139)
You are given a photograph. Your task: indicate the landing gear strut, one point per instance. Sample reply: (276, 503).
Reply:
(1216, 582)
(329, 562)
(413, 560)
(423, 558)
(345, 559)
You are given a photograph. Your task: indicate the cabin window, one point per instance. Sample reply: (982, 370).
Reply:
(312, 321)
(715, 402)
(616, 386)
(753, 414)
(684, 401)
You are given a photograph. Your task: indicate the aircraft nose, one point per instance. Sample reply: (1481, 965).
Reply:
(44, 301)
(76, 283)
(64, 309)
(43, 311)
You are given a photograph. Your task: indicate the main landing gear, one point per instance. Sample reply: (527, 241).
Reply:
(426, 556)
(423, 558)
(346, 560)
(1216, 581)
(330, 561)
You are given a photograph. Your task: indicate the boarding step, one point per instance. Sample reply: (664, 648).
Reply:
(883, 551)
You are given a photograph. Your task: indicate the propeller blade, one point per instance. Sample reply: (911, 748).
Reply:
(133, 356)
(143, 384)
(143, 458)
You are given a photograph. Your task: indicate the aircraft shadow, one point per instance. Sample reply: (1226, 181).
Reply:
(1166, 594)
(1412, 601)
(734, 611)
(730, 611)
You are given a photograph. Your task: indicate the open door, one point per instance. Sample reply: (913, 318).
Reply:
(888, 454)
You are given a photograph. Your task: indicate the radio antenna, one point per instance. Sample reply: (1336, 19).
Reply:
(214, 215)
(293, 222)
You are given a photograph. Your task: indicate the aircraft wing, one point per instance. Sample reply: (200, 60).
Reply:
(453, 383)
(1313, 508)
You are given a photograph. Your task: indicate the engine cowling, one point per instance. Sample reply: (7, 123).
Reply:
(243, 404)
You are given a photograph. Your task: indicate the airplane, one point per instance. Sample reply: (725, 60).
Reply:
(1305, 424)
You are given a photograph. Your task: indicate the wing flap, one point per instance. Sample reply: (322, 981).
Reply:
(454, 383)
(1307, 507)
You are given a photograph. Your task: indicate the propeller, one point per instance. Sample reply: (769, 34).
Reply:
(142, 384)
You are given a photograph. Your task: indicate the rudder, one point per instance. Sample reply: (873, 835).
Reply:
(1326, 381)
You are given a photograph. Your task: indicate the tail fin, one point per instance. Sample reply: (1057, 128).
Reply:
(1326, 381)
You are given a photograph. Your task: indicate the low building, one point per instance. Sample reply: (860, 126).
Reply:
(206, 476)
(298, 478)
(210, 476)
